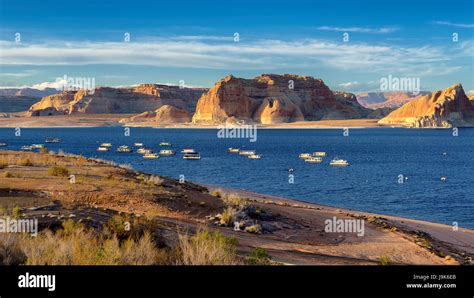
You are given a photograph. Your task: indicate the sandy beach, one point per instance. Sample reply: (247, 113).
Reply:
(94, 120)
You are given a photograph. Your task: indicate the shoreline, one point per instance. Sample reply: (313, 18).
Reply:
(292, 231)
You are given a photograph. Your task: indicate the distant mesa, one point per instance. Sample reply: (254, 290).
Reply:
(27, 92)
(107, 100)
(392, 100)
(164, 115)
(446, 108)
(271, 98)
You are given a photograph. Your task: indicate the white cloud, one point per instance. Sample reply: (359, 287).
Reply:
(445, 23)
(56, 85)
(349, 85)
(260, 54)
(380, 30)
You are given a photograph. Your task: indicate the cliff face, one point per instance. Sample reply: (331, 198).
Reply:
(106, 100)
(270, 98)
(165, 114)
(380, 100)
(446, 108)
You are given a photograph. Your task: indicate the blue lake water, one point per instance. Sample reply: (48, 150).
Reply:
(377, 156)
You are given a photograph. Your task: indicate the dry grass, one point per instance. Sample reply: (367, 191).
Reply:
(207, 248)
(234, 199)
(77, 245)
(227, 217)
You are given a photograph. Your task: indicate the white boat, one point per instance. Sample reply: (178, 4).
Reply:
(3, 144)
(167, 152)
(188, 150)
(26, 148)
(255, 156)
(233, 150)
(319, 153)
(339, 163)
(102, 149)
(305, 155)
(138, 144)
(192, 156)
(144, 151)
(106, 145)
(124, 149)
(37, 146)
(247, 152)
(313, 160)
(165, 144)
(52, 140)
(151, 155)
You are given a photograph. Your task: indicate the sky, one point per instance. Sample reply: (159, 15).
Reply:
(350, 45)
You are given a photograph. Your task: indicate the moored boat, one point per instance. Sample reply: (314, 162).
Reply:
(151, 155)
(233, 150)
(188, 150)
(26, 148)
(3, 144)
(192, 156)
(339, 162)
(124, 149)
(138, 144)
(313, 160)
(165, 144)
(37, 146)
(304, 155)
(247, 152)
(255, 156)
(102, 149)
(106, 145)
(144, 151)
(167, 152)
(319, 153)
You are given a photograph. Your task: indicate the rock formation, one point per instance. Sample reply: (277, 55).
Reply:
(107, 100)
(446, 108)
(165, 114)
(271, 98)
(378, 100)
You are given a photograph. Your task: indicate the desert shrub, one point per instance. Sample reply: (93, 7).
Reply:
(216, 193)
(154, 180)
(7, 174)
(384, 260)
(227, 217)
(16, 212)
(10, 250)
(255, 229)
(206, 248)
(259, 256)
(58, 171)
(26, 163)
(234, 199)
(77, 245)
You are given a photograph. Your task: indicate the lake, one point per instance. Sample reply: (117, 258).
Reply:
(378, 156)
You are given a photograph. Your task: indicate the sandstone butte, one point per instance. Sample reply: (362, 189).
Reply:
(444, 108)
(107, 100)
(270, 98)
(165, 114)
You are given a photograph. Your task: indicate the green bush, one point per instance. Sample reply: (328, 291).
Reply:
(384, 260)
(259, 256)
(7, 174)
(58, 171)
(16, 212)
